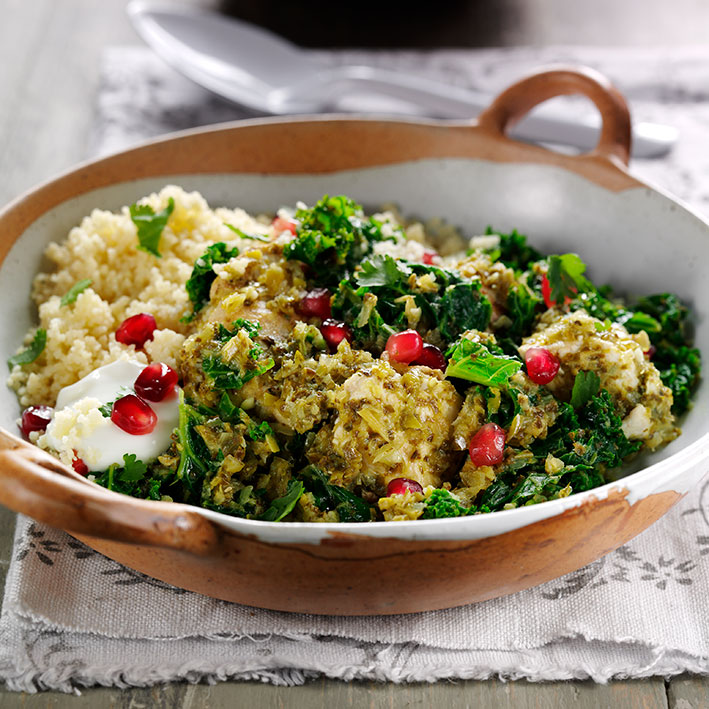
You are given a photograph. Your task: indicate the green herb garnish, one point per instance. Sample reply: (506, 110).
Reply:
(73, 293)
(566, 277)
(150, 225)
(30, 354)
(243, 235)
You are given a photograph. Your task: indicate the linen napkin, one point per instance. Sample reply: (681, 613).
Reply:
(73, 618)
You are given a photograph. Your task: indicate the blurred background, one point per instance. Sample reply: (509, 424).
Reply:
(53, 54)
(476, 23)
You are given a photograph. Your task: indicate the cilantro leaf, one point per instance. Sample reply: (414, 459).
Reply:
(566, 277)
(474, 362)
(150, 225)
(200, 281)
(73, 293)
(282, 506)
(30, 354)
(586, 386)
(133, 469)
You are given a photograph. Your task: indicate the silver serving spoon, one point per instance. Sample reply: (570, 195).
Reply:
(262, 71)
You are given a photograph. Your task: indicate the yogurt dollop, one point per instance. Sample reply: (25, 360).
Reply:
(79, 429)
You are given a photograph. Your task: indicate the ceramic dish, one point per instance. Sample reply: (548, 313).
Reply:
(628, 233)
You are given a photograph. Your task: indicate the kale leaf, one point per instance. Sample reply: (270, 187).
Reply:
(522, 305)
(586, 386)
(73, 293)
(260, 431)
(30, 354)
(200, 282)
(474, 361)
(513, 250)
(193, 451)
(373, 301)
(131, 479)
(332, 238)
(349, 507)
(441, 503)
(678, 362)
(282, 506)
(226, 376)
(150, 225)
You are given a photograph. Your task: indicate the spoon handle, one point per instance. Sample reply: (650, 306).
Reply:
(440, 100)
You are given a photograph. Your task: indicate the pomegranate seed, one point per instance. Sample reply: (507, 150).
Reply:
(431, 357)
(334, 332)
(280, 225)
(133, 415)
(136, 330)
(79, 465)
(429, 257)
(36, 418)
(155, 382)
(405, 346)
(542, 365)
(546, 293)
(316, 304)
(399, 486)
(487, 446)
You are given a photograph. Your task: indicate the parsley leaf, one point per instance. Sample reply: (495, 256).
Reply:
(73, 293)
(30, 354)
(200, 282)
(150, 225)
(566, 277)
(474, 362)
(586, 386)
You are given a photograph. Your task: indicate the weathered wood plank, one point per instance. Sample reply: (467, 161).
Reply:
(688, 693)
(325, 694)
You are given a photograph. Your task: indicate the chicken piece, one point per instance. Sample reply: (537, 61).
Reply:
(298, 394)
(260, 286)
(389, 425)
(584, 343)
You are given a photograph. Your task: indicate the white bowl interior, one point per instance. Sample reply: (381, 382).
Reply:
(638, 240)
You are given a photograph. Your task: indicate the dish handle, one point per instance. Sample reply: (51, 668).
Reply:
(516, 101)
(38, 485)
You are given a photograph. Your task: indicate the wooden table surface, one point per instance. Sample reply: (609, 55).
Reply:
(49, 59)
